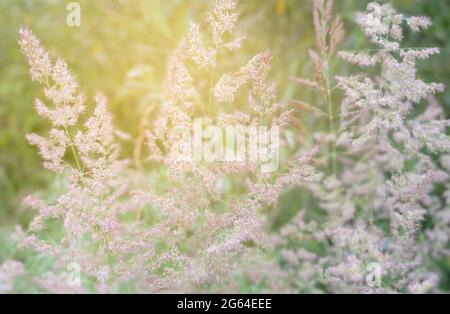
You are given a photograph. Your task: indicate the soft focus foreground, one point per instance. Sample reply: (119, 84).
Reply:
(358, 201)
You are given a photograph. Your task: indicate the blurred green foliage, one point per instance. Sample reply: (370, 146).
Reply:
(122, 48)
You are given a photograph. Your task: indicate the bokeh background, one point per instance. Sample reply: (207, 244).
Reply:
(122, 48)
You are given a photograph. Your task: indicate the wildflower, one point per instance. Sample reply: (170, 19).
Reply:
(8, 272)
(38, 59)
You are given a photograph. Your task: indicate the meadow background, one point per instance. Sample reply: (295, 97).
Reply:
(122, 48)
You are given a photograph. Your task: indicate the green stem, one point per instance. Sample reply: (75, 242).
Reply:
(211, 81)
(331, 121)
(71, 144)
(75, 155)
